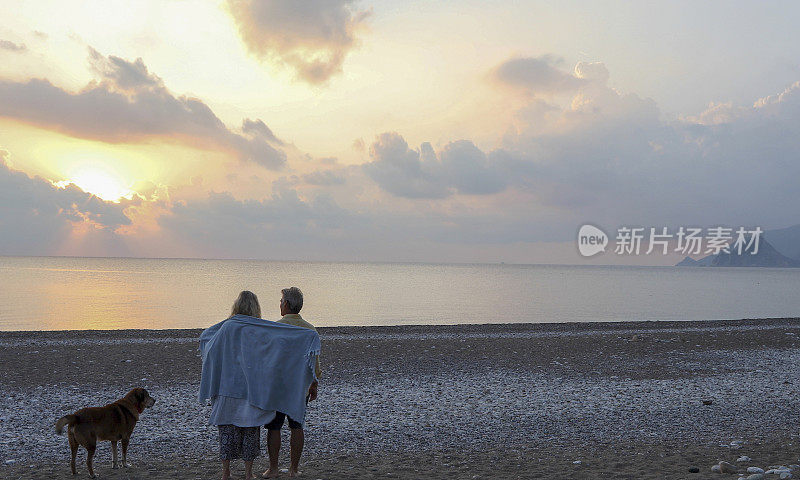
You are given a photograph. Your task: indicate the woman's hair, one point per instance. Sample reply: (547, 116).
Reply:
(246, 304)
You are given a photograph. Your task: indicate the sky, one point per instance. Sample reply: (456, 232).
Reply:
(452, 131)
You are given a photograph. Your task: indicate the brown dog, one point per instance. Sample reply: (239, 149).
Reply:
(113, 422)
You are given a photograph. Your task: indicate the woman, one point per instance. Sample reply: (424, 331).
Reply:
(239, 422)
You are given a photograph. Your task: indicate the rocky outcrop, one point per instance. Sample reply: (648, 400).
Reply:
(766, 256)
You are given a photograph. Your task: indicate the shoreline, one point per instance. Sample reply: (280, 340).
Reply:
(466, 401)
(526, 326)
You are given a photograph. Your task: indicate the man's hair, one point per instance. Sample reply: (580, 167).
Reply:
(293, 298)
(246, 304)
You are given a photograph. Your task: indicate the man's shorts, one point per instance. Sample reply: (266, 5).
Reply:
(277, 423)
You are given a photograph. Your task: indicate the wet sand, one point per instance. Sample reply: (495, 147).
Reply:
(625, 400)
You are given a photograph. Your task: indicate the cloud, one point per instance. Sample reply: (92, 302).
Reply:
(223, 225)
(310, 37)
(123, 75)
(539, 75)
(131, 104)
(592, 71)
(596, 155)
(36, 217)
(612, 158)
(12, 47)
(324, 178)
(402, 171)
(460, 167)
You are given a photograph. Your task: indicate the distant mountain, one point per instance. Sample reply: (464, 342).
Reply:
(691, 262)
(786, 240)
(782, 250)
(766, 256)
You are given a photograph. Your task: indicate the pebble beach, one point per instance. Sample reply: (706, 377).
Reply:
(638, 400)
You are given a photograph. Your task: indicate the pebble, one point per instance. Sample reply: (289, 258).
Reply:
(716, 469)
(10, 462)
(775, 470)
(725, 467)
(694, 470)
(786, 475)
(755, 476)
(743, 458)
(755, 470)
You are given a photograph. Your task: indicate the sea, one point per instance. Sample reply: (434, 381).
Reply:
(68, 293)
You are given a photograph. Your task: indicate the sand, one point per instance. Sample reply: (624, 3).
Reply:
(618, 400)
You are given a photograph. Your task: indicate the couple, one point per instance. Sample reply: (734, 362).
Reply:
(258, 372)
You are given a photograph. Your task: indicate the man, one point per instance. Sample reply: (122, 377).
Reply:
(291, 303)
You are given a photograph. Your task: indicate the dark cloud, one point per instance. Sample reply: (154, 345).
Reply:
(36, 217)
(131, 104)
(460, 167)
(12, 47)
(310, 37)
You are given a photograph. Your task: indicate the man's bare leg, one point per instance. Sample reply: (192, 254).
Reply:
(248, 470)
(274, 450)
(226, 469)
(296, 444)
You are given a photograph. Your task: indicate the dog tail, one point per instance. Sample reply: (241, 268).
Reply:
(64, 421)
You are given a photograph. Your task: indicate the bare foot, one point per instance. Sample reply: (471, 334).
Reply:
(270, 474)
(294, 473)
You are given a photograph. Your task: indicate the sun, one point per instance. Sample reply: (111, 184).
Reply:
(99, 182)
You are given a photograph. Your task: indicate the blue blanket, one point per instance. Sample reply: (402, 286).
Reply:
(269, 364)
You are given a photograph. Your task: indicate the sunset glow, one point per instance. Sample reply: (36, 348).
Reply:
(388, 131)
(99, 182)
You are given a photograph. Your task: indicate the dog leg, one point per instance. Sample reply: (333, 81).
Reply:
(125, 453)
(90, 448)
(114, 454)
(73, 446)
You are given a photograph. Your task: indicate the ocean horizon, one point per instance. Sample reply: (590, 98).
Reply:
(77, 293)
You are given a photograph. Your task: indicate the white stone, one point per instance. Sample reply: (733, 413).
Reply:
(716, 469)
(786, 475)
(755, 470)
(743, 458)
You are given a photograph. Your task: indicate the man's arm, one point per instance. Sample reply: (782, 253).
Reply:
(312, 391)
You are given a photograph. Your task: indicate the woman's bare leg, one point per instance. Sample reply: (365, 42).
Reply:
(226, 469)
